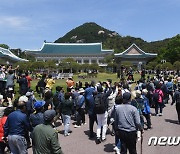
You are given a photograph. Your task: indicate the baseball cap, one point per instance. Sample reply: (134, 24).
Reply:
(126, 96)
(49, 115)
(39, 104)
(29, 94)
(23, 99)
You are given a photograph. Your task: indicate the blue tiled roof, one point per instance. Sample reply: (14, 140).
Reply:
(72, 48)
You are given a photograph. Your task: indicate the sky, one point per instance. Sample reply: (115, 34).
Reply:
(25, 24)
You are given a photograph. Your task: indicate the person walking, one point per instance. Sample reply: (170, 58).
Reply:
(66, 110)
(80, 107)
(127, 122)
(88, 94)
(158, 99)
(176, 99)
(146, 111)
(138, 102)
(101, 109)
(44, 137)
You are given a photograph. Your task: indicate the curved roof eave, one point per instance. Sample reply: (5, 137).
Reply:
(8, 53)
(143, 52)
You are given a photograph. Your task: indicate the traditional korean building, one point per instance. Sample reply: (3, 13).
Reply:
(135, 55)
(82, 53)
(7, 56)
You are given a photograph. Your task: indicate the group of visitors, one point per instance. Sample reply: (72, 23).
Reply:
(26, 121)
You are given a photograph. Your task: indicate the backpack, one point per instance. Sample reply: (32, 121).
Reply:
(139, 105)
(78, 102)
(156, 96)
(56, 101)
(100, 107)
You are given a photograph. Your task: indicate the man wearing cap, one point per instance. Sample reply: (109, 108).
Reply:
(146, 111)
(138, 102)
(44, 137)
(37, 118)
(80, 107)
(16, 128)
(127, 122)
(29, 103)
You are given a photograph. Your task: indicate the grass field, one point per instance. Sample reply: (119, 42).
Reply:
(62, 82)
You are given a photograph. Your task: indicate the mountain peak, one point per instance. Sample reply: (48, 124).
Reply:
(89, 32)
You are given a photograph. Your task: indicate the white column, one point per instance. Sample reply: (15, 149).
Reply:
(82, 61)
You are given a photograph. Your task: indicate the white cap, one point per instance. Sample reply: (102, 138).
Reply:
(23, 99)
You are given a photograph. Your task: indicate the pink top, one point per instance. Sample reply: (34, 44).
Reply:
(161, 95)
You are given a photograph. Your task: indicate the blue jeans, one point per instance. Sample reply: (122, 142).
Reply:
(66, 120)
(17, 144)
(117, 142)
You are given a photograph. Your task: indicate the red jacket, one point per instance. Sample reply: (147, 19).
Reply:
(2, 122)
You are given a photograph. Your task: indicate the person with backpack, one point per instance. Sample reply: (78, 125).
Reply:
(138, 102)
(146, 111)
(101, 108)
(80, 108)
(158, 99)
(176, 99)
(88, 94)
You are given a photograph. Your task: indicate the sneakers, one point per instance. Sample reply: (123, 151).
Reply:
(117, 150)
(67, 134)
(77, 126)
(103, 140)
(98, 140)
(160, 114)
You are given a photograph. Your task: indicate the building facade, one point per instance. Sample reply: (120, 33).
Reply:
(82, 53)
(135, 55)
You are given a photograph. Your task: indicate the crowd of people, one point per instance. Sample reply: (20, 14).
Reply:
(27, 122)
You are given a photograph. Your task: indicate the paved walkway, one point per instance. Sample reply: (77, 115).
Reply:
(166, 125)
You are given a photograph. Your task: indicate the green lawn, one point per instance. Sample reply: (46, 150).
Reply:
(62, 82)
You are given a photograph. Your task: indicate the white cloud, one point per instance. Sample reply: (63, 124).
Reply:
(14, 22)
